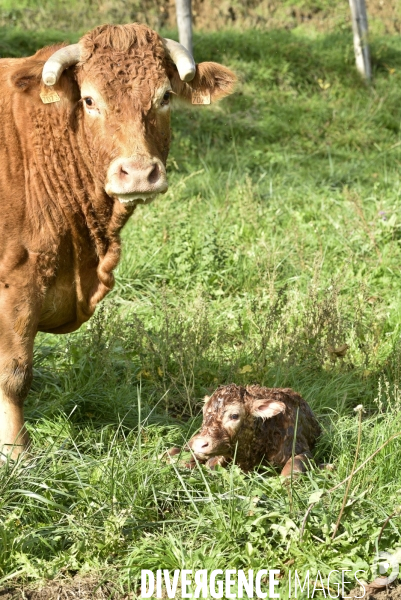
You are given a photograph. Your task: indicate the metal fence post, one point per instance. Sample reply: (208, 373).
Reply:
(360, 30)
(184, 23)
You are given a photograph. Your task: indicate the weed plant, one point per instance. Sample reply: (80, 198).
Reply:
(274, 258)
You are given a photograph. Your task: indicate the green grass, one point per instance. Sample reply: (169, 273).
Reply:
(278, 240)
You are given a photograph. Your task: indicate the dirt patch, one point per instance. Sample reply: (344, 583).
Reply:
(77, 588)
(93, 588)
(383, 15)
(386, 12)
(393, 592)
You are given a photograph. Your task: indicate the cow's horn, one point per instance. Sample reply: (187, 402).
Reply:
(182, 58)
(60, 60)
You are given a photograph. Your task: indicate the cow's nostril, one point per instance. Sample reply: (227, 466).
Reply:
(154, 175)
(123, 171)
(205, 445)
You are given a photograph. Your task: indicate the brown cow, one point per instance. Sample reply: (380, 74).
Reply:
(84, 138)
(256, 425)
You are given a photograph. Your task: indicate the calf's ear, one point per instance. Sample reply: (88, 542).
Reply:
(267, 408)
(212, 82)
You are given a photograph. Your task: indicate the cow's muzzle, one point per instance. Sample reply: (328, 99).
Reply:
(131, 180)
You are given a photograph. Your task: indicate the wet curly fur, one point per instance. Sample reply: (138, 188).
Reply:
(258, 440)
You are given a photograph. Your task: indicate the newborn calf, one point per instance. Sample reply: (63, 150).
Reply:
(256, 425)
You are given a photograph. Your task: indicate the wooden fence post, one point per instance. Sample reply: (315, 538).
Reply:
(184, 23)
(360, 30)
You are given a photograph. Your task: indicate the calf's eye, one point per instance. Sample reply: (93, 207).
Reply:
(89, 102)
(234, 417)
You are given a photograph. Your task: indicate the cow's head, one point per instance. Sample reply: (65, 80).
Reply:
(229, 417)
(128, 78)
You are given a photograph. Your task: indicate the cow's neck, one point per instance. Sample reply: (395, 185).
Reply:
(104, 217)
(73, 206)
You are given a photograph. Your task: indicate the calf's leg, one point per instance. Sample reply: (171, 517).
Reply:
(301, 464)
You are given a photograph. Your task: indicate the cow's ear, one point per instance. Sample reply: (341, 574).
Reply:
(267, 408)
(27, 76)
(211, 82)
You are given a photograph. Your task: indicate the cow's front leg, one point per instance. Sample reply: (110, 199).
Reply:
(13, 435)
(16, 352)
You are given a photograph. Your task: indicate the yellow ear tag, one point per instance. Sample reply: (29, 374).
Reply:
(49, 95)
(200, 97)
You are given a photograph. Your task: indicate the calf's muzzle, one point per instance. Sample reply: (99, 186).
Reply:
(205, 446)
(200, 445)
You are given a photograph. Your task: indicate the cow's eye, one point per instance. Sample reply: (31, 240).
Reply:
(166, 98)
(234, 416)
(89, 102)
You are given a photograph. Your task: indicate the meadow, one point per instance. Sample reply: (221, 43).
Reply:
(276, 250)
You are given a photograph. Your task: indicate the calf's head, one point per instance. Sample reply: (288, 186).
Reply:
(229, 419)
(122, 82)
